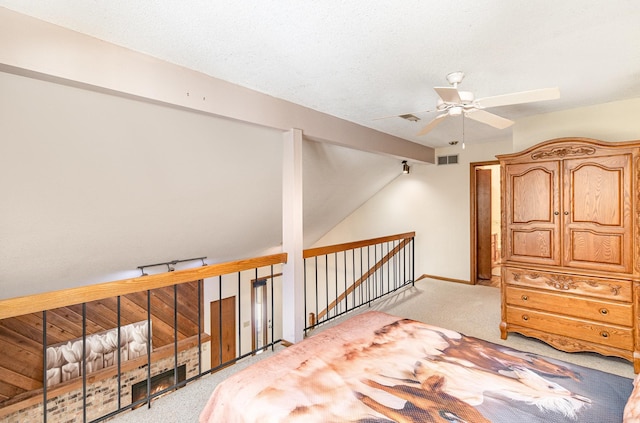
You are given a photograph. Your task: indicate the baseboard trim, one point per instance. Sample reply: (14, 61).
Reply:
(442, 278)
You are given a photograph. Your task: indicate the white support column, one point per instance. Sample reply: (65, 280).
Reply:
(292, 238)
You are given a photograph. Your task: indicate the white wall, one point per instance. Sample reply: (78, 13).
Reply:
(94, 185)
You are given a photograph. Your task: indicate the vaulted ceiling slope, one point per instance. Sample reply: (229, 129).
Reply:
(363, 60)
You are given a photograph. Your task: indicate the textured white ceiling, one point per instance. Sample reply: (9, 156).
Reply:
(360, 60)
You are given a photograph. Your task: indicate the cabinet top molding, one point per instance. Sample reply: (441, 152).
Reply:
(563, 152)
(568, 147)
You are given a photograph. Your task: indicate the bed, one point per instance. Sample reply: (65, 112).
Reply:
(377, 367)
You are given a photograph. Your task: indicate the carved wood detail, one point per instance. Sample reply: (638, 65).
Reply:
(566, 344)
(561, 152)
(564, 283)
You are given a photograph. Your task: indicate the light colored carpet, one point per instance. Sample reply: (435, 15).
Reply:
(470, 309)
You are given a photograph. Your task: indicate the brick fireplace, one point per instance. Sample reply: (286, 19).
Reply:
(102, 393)
(159, 382)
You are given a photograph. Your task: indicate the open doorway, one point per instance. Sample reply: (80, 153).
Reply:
(485, 223)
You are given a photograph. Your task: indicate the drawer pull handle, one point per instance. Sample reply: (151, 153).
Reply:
(604, 311)
(556, 213)
(604, 334)
(524, 297)
(525, 317)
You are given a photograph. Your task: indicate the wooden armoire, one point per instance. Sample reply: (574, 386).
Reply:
(571, 245)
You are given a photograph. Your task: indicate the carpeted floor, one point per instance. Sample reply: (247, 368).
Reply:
(470, 309)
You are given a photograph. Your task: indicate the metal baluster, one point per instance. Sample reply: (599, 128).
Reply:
(273, 336)
(413, 261)
(239, 352)
(200, 283)
(148, 348)
(362, 282)
(335, 264)
(389, 267)
(44, 351)
(353, 278)
(369, 278)
(84, 362)
(119, 334)
(346, 302)
(316, 270)
(304, 287)
(326, 285)
(219, 320)
(175, 334)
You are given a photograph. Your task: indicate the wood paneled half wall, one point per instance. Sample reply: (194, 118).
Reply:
(21, 337)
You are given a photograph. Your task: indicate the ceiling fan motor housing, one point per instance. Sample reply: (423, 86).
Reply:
(466, 98)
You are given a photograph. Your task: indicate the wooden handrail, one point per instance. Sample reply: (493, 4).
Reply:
(50, 300)
(321, 251)
(403, 243)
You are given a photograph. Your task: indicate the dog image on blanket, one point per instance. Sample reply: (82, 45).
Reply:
(409, 372)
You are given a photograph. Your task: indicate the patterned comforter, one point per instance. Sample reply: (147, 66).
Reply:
(376, 367)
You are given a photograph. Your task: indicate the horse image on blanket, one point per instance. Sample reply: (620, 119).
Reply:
(410, 370)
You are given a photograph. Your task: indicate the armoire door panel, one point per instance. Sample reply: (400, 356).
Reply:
(533, 244)
(532, 199)
(532, 204)
(597, 194)
(596, 211)
(596, 248)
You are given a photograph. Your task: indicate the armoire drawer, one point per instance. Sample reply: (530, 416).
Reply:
(606, 312)
(613, 289)
(613, 336)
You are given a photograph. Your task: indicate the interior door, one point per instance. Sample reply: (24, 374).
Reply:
(483, 223)
(223, 331)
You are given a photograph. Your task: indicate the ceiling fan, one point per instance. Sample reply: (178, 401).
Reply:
(453, 102)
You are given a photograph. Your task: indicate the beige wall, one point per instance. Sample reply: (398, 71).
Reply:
(434, 200)
(615, 121)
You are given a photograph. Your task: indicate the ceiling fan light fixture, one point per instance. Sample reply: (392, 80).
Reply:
(455, 111)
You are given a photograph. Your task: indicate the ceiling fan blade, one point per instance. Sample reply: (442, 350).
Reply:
(519, 98)
(435, 122)
(489, 118)
(448, 94)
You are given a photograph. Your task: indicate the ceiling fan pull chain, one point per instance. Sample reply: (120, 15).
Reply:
(463, 113)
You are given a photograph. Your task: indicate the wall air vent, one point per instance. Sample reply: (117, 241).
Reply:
(410, 117)
(444, 160)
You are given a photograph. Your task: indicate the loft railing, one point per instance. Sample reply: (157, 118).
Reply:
(164, 311)
(341, 278)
